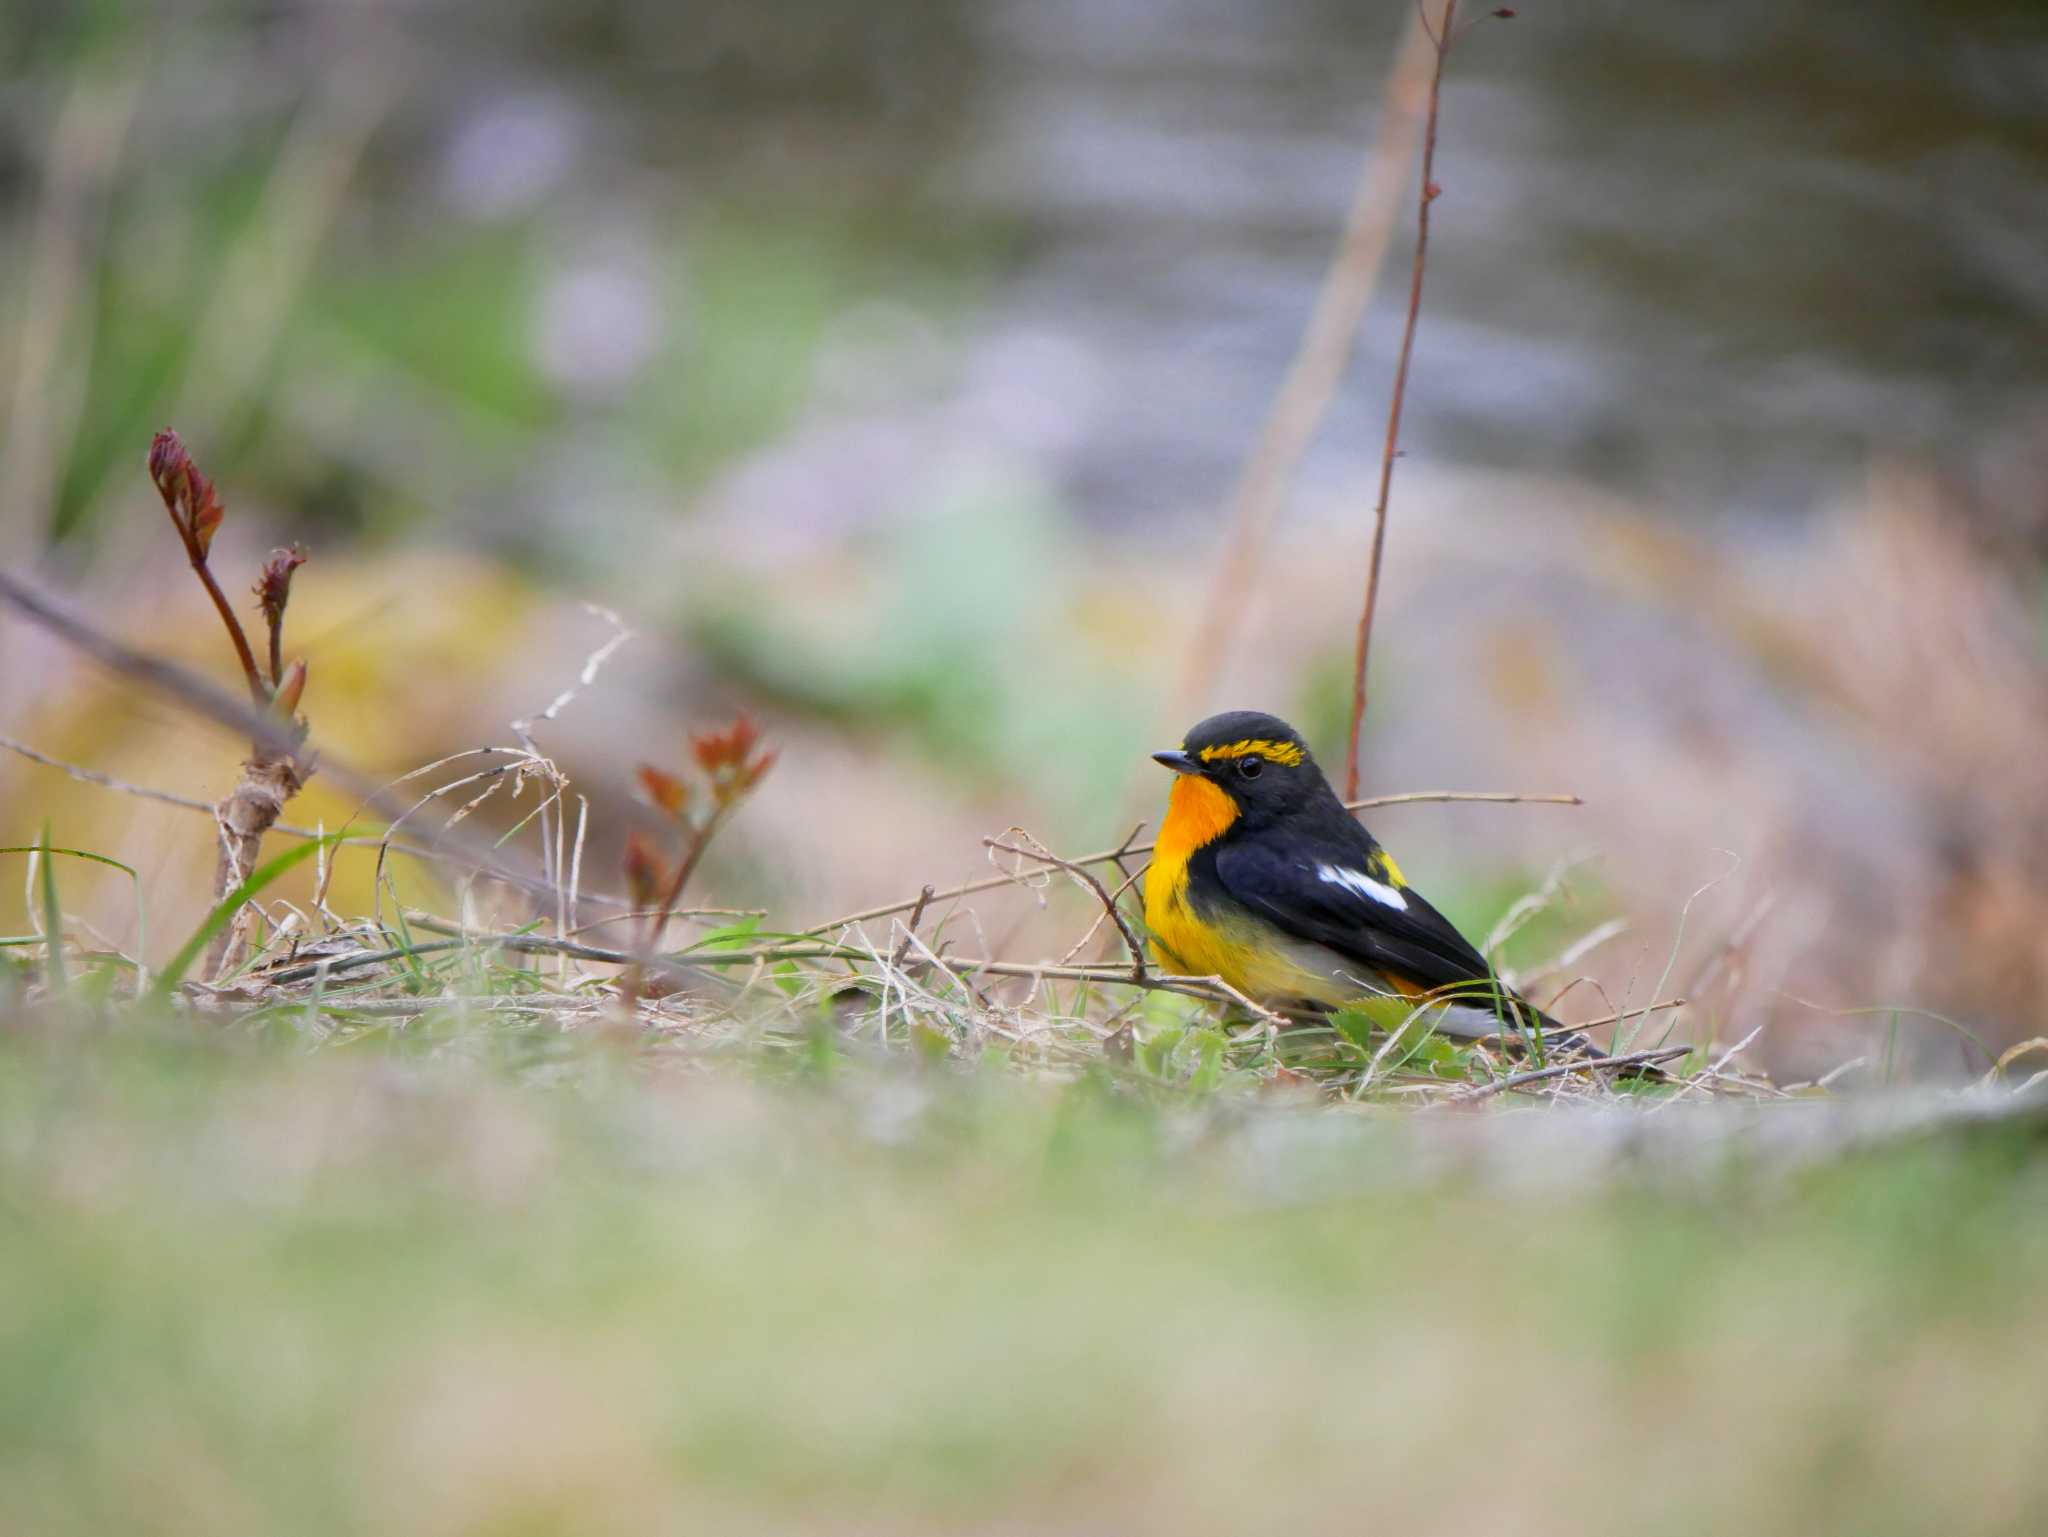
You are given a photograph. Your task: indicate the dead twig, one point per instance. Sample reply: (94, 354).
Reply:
(1575, 1065)
(108, 782)
(1131, 879)
(1127, 849)
(1616, 1017)
(924, 898)
(1440, 39)
(523, 729)
(1212, 988)
(1132, 946)
(1320, 360)
(1713, 1071)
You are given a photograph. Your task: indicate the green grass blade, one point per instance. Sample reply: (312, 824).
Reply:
(134, 878)
(98, 859)
(53, 915)
(174, 971)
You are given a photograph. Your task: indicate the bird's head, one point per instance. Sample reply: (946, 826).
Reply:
(1256, 763)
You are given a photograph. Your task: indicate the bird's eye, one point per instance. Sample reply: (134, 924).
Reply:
(1249, 765)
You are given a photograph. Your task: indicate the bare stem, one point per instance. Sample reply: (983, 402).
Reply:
(1320, 360)
(700, 840)
(1588, 1065)
(1441, 38)
(259, 695)
(924, 898)
(1127, 848)
(657, 926)
(1132, 947)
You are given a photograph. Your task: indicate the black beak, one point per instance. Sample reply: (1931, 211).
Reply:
(1178, 761)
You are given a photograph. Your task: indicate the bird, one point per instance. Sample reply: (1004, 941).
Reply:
(1260, 876)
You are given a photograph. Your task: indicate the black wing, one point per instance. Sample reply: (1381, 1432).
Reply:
(1413, 941)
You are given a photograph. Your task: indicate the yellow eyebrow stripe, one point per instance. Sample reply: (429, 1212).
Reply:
(1288, 753)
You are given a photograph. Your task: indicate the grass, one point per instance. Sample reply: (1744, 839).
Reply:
(460, 1284)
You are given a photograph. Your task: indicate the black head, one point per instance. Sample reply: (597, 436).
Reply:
(1258, 760)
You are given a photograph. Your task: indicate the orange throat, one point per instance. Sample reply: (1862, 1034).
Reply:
(1197, 813)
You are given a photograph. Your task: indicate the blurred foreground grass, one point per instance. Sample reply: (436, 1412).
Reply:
(245, 1287)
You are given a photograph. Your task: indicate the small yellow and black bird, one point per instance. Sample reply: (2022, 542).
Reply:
(1260, 876)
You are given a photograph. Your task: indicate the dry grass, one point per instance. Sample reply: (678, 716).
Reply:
(912, 977)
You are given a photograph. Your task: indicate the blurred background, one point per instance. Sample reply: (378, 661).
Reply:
(889, 368)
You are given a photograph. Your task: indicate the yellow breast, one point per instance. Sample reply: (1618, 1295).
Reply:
(1250, 955)
(1197, 813)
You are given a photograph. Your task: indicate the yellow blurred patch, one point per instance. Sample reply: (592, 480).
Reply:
(395, 648)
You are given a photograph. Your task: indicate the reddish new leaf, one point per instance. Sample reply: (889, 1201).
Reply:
(664, 789)
(729, 759)
(191, 499)
(274, 587)
(724, 751)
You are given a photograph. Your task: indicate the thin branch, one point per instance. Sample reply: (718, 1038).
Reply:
(1713, 1070)
(1483, 797)
(1320, 361)
(258, 694)
(108, 782)
(700, 840)
(551, 827)
(1427, 196)
(276, 654)
(521, 944)
(924, 898)
(1124, 848)
(1213, 988)
(1128, 849)
(1618, 1016)
(1576, 1065)
(1130, 879)
(637, 915)
(1132, 946)
(1436, 37)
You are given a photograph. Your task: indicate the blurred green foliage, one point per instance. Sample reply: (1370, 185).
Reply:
(968, 648)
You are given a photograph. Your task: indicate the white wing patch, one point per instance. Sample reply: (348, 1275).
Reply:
(1364, 885)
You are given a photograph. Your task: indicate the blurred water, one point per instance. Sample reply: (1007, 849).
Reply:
(1711, 255)
(1714, 255)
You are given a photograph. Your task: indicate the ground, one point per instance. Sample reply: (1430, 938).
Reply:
(462, 1283)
